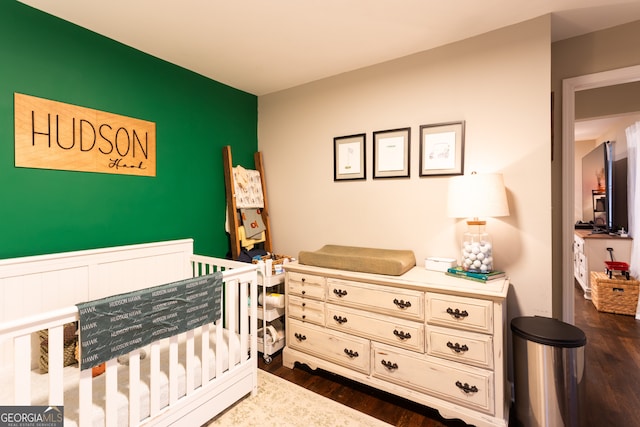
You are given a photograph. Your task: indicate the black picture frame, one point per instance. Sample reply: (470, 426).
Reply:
(442, 149)
(349, 154)
(392, 153)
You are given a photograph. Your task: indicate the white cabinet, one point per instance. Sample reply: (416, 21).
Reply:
(590, 252)
(425, 336)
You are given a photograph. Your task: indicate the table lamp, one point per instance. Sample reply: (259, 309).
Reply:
(477, 196)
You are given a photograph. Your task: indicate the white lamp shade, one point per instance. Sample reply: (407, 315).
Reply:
(477, 196)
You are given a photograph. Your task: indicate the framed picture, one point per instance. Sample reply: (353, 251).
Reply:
(442, 149)
(391, 150)
(349, 157)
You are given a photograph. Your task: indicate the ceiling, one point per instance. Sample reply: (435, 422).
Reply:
(263, 46)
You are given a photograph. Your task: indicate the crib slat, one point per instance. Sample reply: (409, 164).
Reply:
(154, 381)
(134, 387)
(111, 391)
(253, 314)
(244, 320)
(204, 354)
(173, 369)
(85, 397)
(219, 347)
(233, 302)
(190, 362)
(22, 369)
(56, 365)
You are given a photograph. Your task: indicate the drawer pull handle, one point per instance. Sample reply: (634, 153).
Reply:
(339, 319)
(300, 337)
(402, 335)
(340, 293)
(390, 366)
(351, 353)
(466, 387)
(303, 292)
(457, 347)
(402, 304)
(304, 304)
(303, 280)
(457, 313)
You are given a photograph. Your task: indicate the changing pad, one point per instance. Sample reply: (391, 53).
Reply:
(392, 262)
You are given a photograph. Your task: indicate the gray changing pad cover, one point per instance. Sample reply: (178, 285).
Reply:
(392, 262)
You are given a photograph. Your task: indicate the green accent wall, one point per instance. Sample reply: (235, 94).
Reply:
(44, 211)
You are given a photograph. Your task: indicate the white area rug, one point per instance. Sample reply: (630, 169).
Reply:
(282, 403)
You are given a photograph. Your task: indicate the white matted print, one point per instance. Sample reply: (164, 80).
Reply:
(442, 149)
(391, 150)
(349, 157)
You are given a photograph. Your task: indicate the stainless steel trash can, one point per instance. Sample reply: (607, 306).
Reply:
(549, 372)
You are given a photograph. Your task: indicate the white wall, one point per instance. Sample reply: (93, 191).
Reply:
(582, 148)
(498, 83)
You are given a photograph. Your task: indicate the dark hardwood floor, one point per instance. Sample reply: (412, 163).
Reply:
(612, 367)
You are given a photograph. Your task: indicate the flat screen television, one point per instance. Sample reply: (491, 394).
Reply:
(604, 189)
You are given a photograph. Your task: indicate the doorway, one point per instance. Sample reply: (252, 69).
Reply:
(569, 88)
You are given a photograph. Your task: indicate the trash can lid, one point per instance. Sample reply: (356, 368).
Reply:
(548, 331)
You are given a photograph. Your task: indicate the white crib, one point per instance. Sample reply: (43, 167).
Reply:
(186, 379)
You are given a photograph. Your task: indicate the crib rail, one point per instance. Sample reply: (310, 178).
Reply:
(239, 319)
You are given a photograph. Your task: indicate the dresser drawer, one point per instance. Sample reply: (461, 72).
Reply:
(305, 309)
(307, 285)
(464, 347)
(460, 312)
(378, 327)
(404, 303)
(345, 350)
(464, 385)
(578, 245)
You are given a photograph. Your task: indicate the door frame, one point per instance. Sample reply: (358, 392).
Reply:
(569, 88)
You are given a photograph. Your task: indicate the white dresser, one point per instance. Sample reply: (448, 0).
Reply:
(430, 338)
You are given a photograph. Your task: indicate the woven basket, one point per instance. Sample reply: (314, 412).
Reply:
(616, 295)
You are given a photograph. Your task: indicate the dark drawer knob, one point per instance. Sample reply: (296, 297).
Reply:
(352, 354)
(457, 347)
(401, 334)
(457, 313)
(340, 293)
(402, 304)
(466, 387)
(389, 365)
(299, 337)
(339, 319)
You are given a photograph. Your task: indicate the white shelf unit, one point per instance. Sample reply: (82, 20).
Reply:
(267, 314)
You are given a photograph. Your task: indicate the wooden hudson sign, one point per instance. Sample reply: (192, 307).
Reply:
(54, 135)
